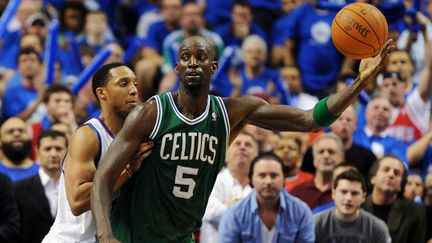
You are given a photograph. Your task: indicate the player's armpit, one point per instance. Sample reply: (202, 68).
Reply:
(80, 169)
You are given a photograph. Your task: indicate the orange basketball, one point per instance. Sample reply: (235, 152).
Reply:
(359, 30)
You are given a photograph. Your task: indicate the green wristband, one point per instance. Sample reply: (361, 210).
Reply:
(322, 115)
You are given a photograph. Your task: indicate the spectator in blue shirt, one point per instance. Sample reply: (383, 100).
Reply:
(279, 26)
(23, 99)
(255, 78)
(16, 148)
(307, 38)
(151, 53)
(374, 135)
(241, 25)
(97, 33)
(269, 213)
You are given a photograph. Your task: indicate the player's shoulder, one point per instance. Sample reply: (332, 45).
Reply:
(84, 135)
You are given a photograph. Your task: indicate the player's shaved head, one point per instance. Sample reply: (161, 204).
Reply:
(200, 42)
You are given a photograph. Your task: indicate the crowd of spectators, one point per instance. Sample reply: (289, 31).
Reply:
(279, 50)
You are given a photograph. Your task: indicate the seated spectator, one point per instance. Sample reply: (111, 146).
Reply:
(16, 148)
(72, 20)
(9, 212)
(339, 169)
(269, 213)
(97, 33)
(374, 136)
(191, 23)
(414, 187)
(58, 101)
(231, 185)
(308, 45)
(24, 98)
(37, 195)
(159, 30)
(152, 45)
(355, 153)
(405, 220)
(328, 152)
(241, 25)
(290, 151)
(261, 135)
(254, 78)
(279, 26)
(299, 99)
(347, 222)
(409, 120)
(13, 32)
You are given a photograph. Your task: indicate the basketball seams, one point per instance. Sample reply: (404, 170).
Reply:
(379, 43)
(340, 27)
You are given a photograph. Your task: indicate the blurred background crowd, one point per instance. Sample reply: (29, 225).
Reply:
(279, 50)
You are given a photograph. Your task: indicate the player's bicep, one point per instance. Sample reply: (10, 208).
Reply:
(79, 167)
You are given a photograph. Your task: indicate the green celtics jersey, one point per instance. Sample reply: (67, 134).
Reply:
(165, 200)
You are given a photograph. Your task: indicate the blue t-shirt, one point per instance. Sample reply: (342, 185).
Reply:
(279, 27)
(227, 34)
(267, 4)
(261, 84)
(16, 99)
(9, 50)
(386, 144)
(318, 59)
(16, 174)
(218, 12)
(157, 32)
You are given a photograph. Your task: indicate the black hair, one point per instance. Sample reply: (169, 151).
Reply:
(268, 156)
(102, 76)
(28, 51)
(374, 169)
(79, 6)
(57, 88)
(51, 134)
(243, 3)
(350, 175)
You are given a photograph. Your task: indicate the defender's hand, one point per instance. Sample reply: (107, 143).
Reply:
(143, 152)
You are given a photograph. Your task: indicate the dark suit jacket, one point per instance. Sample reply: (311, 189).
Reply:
(36, 218)
(406, 221)
(9, 214)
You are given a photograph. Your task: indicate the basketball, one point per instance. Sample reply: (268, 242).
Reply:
(359, 30)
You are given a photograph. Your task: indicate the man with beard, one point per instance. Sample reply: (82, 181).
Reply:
(269, 213)
(16, 146)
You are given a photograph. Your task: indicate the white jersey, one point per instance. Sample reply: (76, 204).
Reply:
(68, 228)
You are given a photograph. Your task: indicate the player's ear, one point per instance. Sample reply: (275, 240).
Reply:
(100, 92)
(176, 67)
(214, 67)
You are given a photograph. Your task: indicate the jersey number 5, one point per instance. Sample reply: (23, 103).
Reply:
(180, 180)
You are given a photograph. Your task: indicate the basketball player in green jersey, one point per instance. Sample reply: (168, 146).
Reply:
(165, 200)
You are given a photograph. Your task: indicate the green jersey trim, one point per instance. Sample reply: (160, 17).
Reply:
(158, 116)
(226, 119)
(184, 118)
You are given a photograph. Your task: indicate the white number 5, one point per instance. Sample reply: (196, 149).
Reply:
(180, 180)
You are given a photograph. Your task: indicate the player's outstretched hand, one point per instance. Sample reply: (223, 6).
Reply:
(143, 152)
(370, 67)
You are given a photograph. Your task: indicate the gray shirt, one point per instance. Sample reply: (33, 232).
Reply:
(365, 229)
